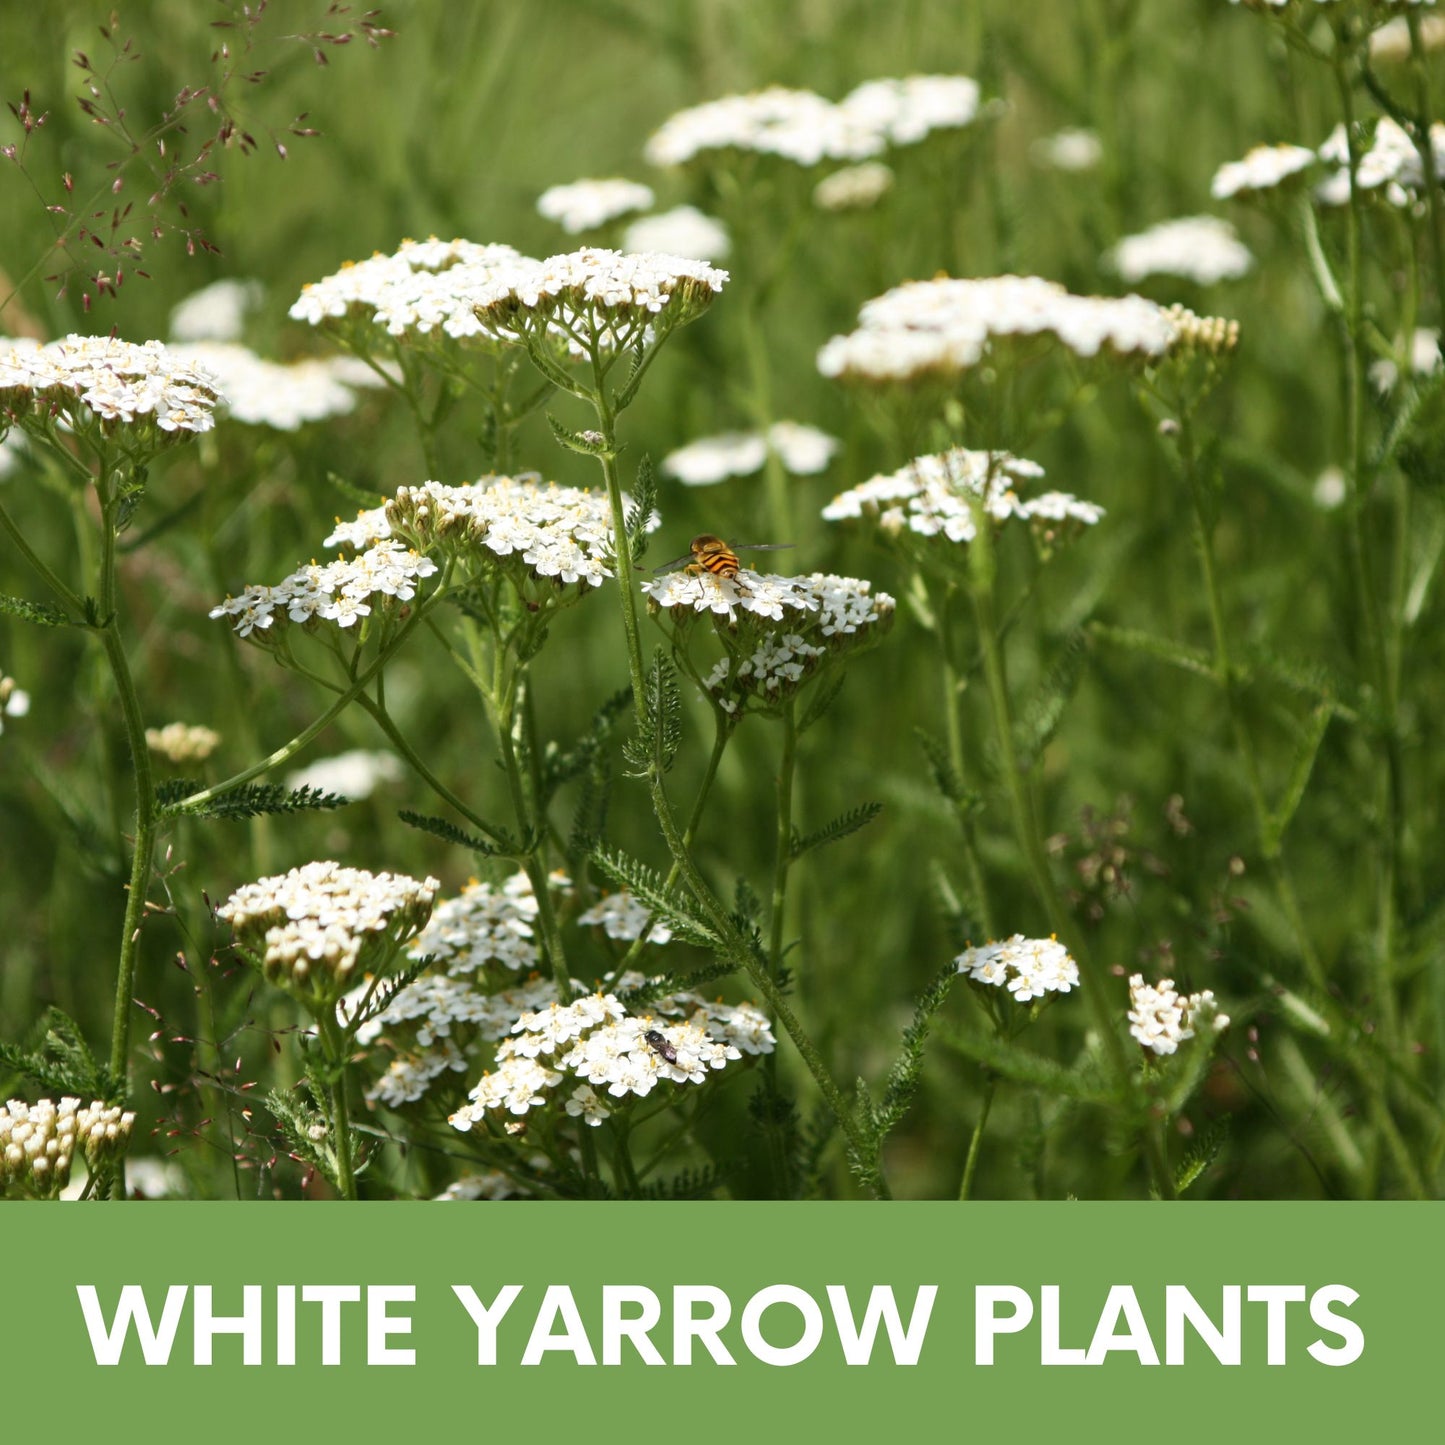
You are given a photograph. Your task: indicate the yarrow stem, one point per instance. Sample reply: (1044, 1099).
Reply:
(1097, 980)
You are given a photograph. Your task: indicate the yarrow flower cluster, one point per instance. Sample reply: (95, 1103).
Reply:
(827, 617)
(355, 774)
(598, 1043)
(183, 743)
(1262, 169)
(806, 129)
(312, 929)
(216, 312)
(682, 231)
(1204, 249)
(428, 1025)
(485, 923)
(1391, 165)
(1028, 968)
(38, 1142)
(1161, 1019)
(427, 289)
(586, 205)
(1390, 44)
(562, 534)
(802, 450)
(621, 916)
(427, 1028)
(1068, 150)
(269, 393)
(118, 383)
(942, 495)
(945, 326)
(854, 188)
(599, 292)
(343, 591)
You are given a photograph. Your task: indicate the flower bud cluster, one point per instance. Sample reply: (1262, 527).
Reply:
(38, 1142)
(1212, 336)
(312, 929)
(183, 743)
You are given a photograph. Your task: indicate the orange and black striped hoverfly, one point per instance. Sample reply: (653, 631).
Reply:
(706, 553)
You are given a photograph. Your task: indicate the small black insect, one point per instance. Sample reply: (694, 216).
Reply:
(660, 1045)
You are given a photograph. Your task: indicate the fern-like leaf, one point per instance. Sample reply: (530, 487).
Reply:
(639, 513)
(251, 800)
(42, 614)
(1025, 1067)
(902, 1082)
(1187, 659)
(1040, 721)
(654, 745)
(505, 846)
(646, 886)
(840, 827)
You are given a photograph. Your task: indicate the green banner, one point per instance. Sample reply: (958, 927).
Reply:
(638, 1321)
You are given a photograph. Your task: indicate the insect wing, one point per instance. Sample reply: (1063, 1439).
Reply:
(676, 561)
(762, 546)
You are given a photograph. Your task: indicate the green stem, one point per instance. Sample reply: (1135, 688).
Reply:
(965, 1189)
(1360, 566)
(333, 1046)
(1225, 675)
(722, 732)
(732, 944)
(1419, 66)
(1096, 978)
(953, 690)
(783, 859)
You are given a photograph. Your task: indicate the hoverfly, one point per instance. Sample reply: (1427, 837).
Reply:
(706, 553)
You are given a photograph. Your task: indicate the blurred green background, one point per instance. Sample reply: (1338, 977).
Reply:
(453, 127)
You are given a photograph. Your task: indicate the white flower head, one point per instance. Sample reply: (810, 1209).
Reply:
(216, 312)
(1263, 169)
(586, 205)
(311, 929)
(621, 916)
(853, 188)
(39, 1142)
(1068, 150)
(1161, 1018)
(355, 774)
(1204, 249)
(682, 231)
(945, 494)
(158, 395)
(944, 326)
(1028, 968)
(267, 393)
(802, 450)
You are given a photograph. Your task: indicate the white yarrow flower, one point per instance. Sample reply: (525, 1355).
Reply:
(586, 205)
(1204, 249)
(1028, 968)
(682, 231)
